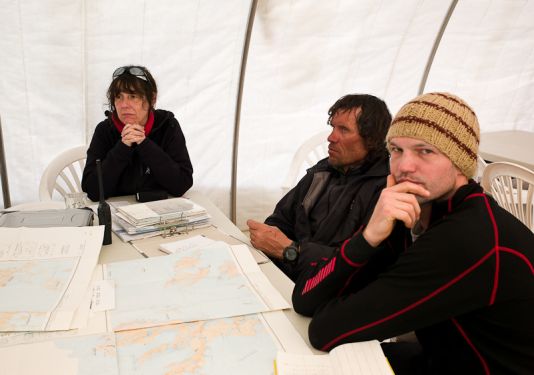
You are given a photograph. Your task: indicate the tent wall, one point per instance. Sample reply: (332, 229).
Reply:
(302, 59)
(57, 59)
(487, 57)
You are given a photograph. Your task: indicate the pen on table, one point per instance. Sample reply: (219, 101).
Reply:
(262, 255)
(139, 250)
(229, 235)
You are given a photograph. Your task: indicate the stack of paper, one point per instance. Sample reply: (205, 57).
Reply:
(176, 213)
(187, 244)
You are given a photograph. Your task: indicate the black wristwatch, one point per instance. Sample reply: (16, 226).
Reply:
(291, 253)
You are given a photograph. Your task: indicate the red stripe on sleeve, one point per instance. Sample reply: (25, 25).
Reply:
(496, 244)
(519, 255)
(412, 306)
(497, 254)
(349, 262)
(464, 335)
(323, 273)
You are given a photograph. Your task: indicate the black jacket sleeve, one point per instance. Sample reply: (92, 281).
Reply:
(114, 156)
(284, 218)
(169, 163)
(284, 214)
(327, 278)
(437, 278)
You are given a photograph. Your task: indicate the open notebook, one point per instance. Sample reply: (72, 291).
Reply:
(365, 358)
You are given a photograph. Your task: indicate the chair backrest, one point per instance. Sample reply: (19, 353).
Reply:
(308, 154)
(63, 174)
(512, 186)
(481, 165)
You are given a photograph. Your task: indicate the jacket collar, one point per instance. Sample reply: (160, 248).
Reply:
(441, 208)
(374, 168)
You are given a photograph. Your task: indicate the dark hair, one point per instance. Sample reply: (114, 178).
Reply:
(126, 82)
(373, 120)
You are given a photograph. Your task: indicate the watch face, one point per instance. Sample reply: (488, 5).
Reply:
(290, 254)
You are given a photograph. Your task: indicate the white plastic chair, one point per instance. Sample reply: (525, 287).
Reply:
(307, 155)
(63, 174)
(481, 166)
(512, 186)
(37, 206)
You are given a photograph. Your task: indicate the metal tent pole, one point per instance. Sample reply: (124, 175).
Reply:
(244, 56)
(3, 171)
(435, 46)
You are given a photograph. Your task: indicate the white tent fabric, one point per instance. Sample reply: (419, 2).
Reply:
(57, 59)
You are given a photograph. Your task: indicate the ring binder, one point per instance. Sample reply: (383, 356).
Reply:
(168, 218)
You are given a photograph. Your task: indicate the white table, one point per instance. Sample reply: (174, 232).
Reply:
(119, 251)
(514, 146)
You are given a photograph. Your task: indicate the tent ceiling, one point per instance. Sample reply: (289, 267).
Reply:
(57, 58)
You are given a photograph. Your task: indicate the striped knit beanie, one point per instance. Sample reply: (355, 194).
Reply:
(446, 122)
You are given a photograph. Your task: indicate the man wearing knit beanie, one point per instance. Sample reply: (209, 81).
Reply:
(438, 257)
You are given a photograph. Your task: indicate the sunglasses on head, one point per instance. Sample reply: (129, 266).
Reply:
(134, 70)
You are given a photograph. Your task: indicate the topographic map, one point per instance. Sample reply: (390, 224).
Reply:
(44, 280)
(206, 310)
(80, 355)
(239, 345)
(196, 284)
(44, 274)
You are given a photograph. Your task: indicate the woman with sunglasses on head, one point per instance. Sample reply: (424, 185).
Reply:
(142, 149)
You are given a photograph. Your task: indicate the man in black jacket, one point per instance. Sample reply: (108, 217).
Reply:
(337, 195)
(438, 257)
(142, 149)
